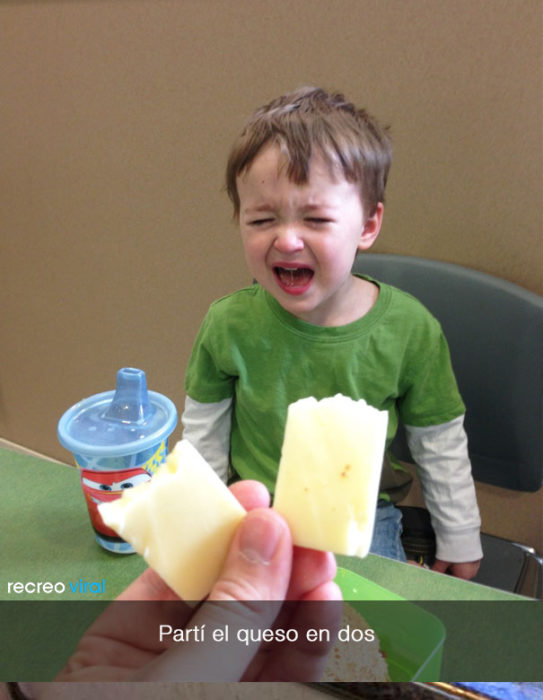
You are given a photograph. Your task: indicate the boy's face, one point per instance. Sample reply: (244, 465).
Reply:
(300, 241)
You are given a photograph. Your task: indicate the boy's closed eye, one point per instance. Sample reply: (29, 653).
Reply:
(318, 220)
(260, 222)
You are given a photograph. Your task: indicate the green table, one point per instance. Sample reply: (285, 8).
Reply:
(46, 533)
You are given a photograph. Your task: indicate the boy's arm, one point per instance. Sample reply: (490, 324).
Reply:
(441, 456)
(207, 426)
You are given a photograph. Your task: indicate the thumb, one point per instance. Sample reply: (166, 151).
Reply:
(259, 561)
(246, 598)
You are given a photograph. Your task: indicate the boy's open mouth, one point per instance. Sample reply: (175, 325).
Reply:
(294, 280)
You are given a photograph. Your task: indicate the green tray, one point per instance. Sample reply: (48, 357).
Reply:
(411, 638)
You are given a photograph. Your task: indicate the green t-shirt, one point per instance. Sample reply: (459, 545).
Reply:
(251, 350)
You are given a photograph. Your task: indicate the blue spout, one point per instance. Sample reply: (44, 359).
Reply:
(130, 403)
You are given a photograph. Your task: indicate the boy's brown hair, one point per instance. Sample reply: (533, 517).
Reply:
(311, 119)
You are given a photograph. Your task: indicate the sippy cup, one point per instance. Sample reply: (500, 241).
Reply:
(118, 439)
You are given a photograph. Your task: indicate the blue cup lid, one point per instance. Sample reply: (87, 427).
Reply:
(121, 422)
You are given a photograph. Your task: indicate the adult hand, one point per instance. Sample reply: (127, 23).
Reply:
(466, 570)
(262, 565)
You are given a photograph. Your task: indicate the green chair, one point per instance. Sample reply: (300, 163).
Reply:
(495, 333)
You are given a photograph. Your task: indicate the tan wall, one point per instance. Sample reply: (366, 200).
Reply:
(117, 116)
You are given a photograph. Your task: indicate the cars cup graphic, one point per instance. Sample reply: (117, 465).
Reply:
(119, 439)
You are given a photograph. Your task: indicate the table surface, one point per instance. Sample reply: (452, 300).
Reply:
(45, 535)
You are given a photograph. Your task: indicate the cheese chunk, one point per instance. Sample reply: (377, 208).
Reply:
(328, 482)
(182, 521)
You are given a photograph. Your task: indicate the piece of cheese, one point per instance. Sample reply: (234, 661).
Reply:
(328, 482)
(181, 521)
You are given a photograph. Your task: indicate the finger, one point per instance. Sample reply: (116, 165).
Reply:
(465, 570)
(310, 569)
(297, 662)
(328, 591)
(251, 494)
(316, 620)
(440, 566)
(256, 572)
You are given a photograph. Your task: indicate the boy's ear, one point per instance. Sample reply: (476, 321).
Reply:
(371, 228)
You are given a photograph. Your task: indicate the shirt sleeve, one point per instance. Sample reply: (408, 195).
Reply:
(431, 396)
(207, 378)
(444, 468)
(207, 427)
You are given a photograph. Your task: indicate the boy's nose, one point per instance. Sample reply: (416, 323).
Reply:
(288, 240)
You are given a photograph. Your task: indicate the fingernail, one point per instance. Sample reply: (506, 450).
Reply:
(259, 537)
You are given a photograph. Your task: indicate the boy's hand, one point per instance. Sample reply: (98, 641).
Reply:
(466, 570)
